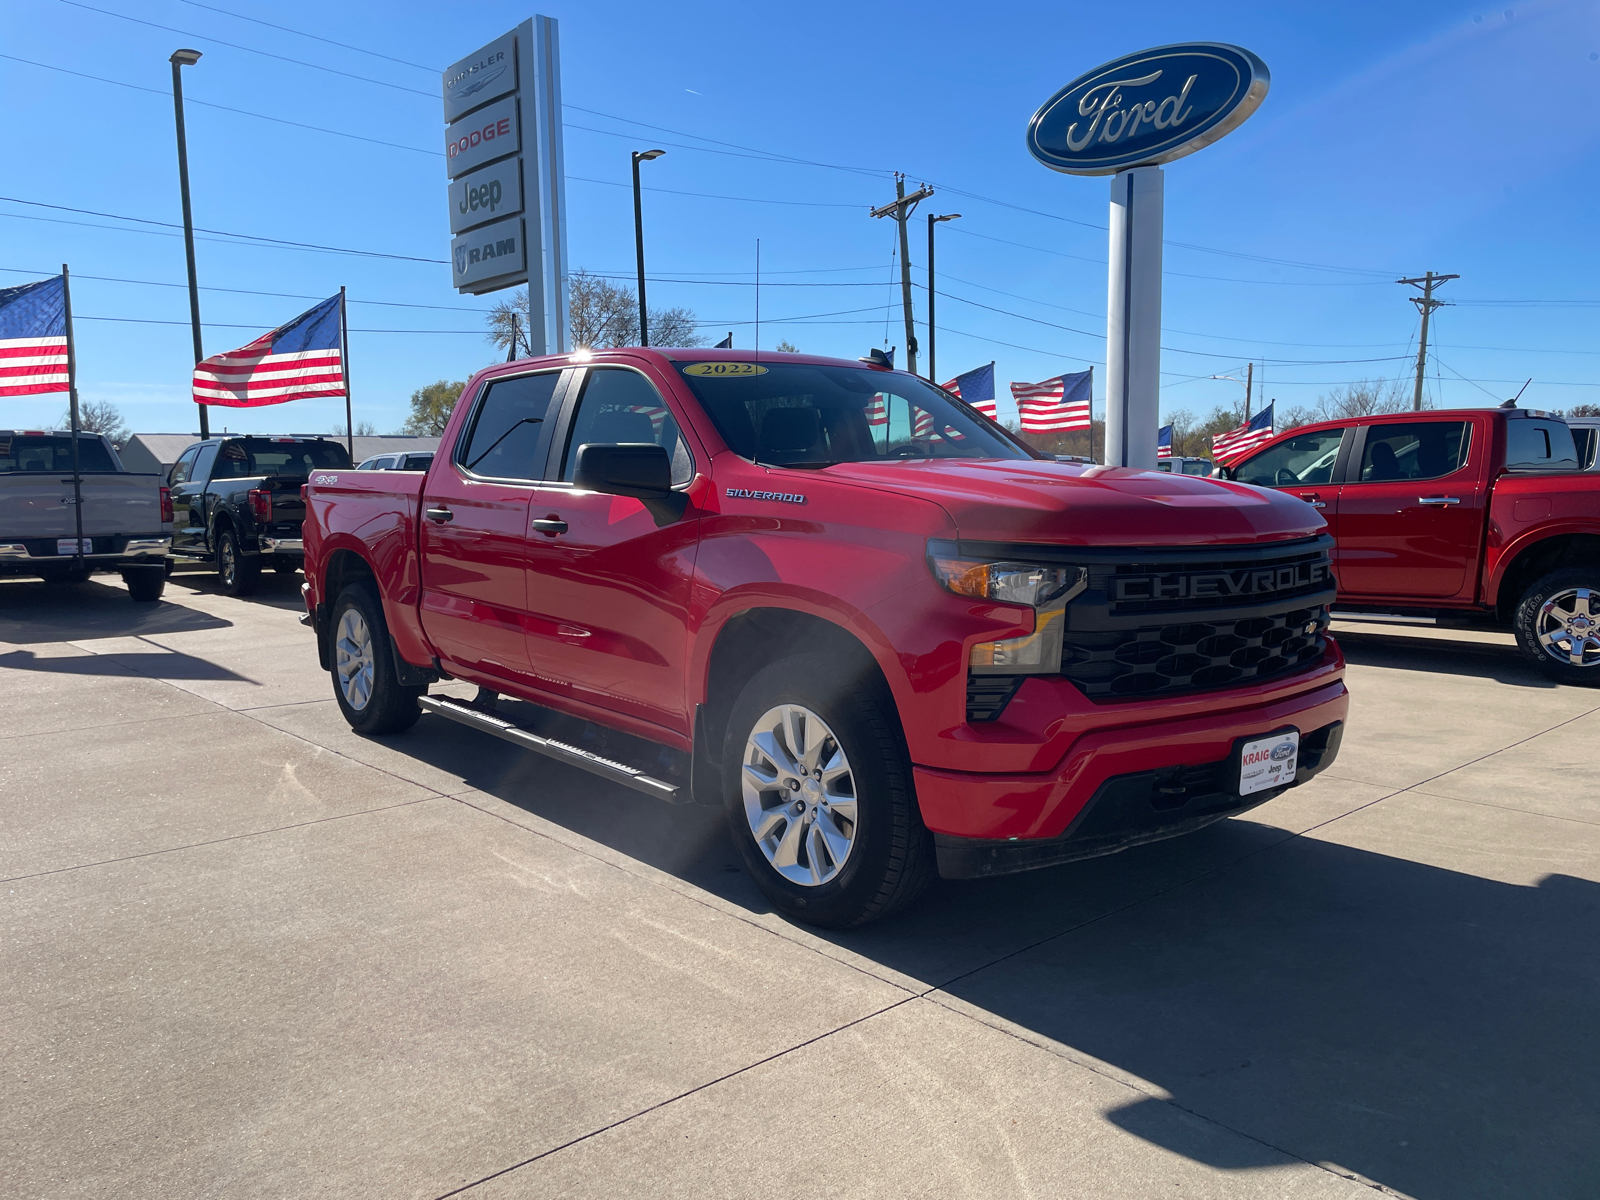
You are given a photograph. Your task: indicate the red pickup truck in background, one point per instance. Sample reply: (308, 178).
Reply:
(887, 637)
(1456, 513)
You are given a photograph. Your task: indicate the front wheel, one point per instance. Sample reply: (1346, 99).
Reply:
(240, 575)
(1558, 625)
(819, 795)
(370, 697)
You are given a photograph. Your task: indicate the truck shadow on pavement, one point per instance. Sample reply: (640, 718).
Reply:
(31, 613)
(1433, 1031)
(1439, 656)
(276, 590)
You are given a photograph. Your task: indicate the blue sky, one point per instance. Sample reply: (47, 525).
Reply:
(1397, 138)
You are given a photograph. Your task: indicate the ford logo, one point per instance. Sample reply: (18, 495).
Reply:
(1282, 751)
(1148, 108)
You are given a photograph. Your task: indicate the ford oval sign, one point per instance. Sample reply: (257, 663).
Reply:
(1148, 108)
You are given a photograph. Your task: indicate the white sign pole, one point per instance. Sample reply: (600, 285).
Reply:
(1133, 319)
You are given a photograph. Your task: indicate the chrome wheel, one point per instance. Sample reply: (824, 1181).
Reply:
(1568, 627)
(227, 561)
(799, 795)
(352, 659)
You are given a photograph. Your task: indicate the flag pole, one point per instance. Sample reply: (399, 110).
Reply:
(1091, 412)
(72, 405)
(344, 367)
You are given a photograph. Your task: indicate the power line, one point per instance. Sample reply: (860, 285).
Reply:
(312, 36)
(714, 196)
(250, 49)
(226, 108)
(239, 291)
(261, 328)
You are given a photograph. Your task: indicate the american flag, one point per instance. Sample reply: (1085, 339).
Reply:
(294, 362)
(1164, 442)
(1228, 448)
(1056, 404)
(878, 410)
(976, 387)
(33, 338)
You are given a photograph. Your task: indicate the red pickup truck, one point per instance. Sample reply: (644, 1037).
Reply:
(1457, 514)
(887, 637)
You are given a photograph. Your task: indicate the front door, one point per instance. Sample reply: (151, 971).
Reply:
(474, 520)
(608, 581)
(1301, 466)
(188, 487)
(1411, 513)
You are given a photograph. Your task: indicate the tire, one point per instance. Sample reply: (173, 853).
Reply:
(240, 573)
(364, 684)
(1557, 624)
(145, 584)
(815, 863)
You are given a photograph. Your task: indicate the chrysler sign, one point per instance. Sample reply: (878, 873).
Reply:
(1148, 108)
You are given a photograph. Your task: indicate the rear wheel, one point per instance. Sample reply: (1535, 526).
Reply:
(240, 575)
(819, 795)
(370, 697)
(1558, 625)
(145, 584)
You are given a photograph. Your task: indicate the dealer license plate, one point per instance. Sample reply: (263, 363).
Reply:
(1269, 762)
(70, 545)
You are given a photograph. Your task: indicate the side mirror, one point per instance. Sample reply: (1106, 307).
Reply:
(638, 469)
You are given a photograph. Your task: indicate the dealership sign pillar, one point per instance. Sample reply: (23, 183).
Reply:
(507, 171)
(1124, 119)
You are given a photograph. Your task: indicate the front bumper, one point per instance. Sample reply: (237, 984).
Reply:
(1130, 810)
(1044, 804)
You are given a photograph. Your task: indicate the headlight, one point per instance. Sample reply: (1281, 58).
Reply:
(1046, 590)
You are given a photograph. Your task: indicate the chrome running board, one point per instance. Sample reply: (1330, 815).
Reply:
(476, 718)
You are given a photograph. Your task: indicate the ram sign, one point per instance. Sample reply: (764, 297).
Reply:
(507, 191)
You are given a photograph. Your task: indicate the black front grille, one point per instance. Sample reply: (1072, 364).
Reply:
(988, 695)
(1118, 664)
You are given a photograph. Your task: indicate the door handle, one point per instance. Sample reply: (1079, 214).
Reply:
(440, 515)
(549, 525)
(1313, 499)
(1439, 501)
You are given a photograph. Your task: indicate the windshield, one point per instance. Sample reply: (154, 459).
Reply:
(796, 414)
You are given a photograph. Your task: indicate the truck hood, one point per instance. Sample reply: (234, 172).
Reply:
(993, 500)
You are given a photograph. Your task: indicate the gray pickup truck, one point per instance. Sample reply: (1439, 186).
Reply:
(237, 503)
(127, 517)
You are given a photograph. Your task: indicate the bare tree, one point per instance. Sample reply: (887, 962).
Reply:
(787, 347)
(1364, 399)
(431, 407)
(363, 429)
(600, 314)
(1583, 410)
(99, 416)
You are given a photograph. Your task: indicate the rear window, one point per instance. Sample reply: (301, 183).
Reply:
(1537, 445)
(50, 453)
(265, 456)
(1414, 450)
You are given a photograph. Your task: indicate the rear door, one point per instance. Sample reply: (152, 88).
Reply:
(1411, 511)
(474, 523)
(608, 582)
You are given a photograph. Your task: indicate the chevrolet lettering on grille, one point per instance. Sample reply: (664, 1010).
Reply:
(1208, 584)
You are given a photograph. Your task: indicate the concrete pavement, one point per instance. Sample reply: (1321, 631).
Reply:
(249, 954)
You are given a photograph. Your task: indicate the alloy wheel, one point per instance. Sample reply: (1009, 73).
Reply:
(229, 564)
(799, 795)
(352, 658)
(1568, 627)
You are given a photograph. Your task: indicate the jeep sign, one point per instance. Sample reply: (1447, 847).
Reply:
(486, 195)
(507, 172)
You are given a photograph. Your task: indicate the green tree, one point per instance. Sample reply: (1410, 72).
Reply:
(430, 408)
(787, 347)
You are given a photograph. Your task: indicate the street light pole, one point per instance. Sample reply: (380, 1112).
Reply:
(179, 60)
(640, 156)
(932, 221)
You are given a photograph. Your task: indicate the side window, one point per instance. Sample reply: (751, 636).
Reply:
(1414, 450)
(202, 464)
(507, 430)
(1534, 445)
(619, 405)
(182, 468)
(1296, 462)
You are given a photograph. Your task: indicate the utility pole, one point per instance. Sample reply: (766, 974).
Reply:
(900, 209)
(179, 60)
(1425, 305)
